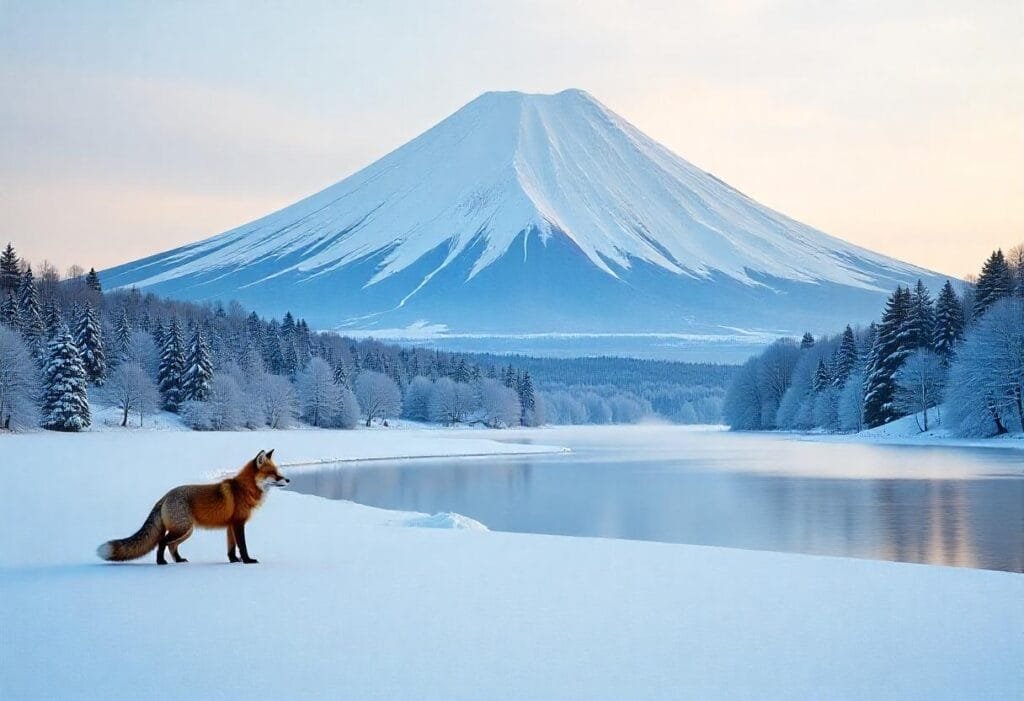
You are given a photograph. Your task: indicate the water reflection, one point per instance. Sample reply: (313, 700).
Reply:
(736, 491)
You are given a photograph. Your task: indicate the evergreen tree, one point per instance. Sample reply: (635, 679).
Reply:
(994, 283)
(172, 364)
(509, 377)
(949, 323)
(807, 341)
(9, 311)
(254, 330)
(10, 271)
(272, 356)
(288, 327)
(527, 398)
(197, 378)
(52, 319)
(92, 281)
(822, 377)
(30, 321)
(159, 335)
(123, 336)
(89, 340)
(340, 374)
(289, 357)
(921, 319)
(65, 404)
(461, 371)
(845, 359)
(890, 349)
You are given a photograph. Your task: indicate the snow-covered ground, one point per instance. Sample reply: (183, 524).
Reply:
(352, 602)
(907, 431)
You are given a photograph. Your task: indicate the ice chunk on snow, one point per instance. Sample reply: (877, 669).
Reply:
(445, 519)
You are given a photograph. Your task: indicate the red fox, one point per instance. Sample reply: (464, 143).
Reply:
(227, 504)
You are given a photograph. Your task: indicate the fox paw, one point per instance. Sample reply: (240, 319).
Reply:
(251, 561)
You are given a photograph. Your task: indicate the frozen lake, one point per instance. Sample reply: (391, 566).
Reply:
(938, 505)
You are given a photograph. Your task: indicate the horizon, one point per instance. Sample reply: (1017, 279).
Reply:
(148, 130)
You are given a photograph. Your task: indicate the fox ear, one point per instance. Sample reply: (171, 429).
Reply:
(261, 457)
(270, 453)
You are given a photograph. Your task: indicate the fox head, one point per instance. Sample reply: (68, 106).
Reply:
(267, 474)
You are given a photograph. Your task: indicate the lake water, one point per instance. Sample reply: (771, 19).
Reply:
(939, 505)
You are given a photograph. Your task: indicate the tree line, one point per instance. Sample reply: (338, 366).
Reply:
(67, 345)
(962, 352)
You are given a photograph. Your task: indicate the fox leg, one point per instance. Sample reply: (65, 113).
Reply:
(232, 555)
(240, 538)
(173, 545)
(160, 550)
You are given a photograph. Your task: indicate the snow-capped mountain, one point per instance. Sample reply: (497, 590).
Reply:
(530, 215)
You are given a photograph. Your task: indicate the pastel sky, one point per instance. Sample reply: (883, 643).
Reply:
(127, 129)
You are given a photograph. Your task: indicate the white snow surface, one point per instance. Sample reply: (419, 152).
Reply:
(559, 165)
(346, 605)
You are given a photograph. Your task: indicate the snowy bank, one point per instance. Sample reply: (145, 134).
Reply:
(907, 431)
(348, 603)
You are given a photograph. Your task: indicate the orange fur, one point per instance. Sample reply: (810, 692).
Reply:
(227, 504)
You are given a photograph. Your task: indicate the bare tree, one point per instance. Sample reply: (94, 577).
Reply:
(987, 377)
(130, 388)
(450, 402)
(19, 382)
(498, 404)
(276, 397)
(919, 384)
(319, 397)
(378, 395)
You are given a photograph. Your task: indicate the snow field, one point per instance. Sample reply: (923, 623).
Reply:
(346, 603)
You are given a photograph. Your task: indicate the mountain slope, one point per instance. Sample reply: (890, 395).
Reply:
(533, 214)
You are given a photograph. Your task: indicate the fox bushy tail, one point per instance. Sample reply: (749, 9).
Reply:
(140, 542)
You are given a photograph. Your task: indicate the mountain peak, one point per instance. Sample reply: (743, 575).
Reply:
(519, 181)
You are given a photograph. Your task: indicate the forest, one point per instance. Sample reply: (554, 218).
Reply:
(958, 358)
(67, 346)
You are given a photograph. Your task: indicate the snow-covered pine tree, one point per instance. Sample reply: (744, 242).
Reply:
(289, 357)
(888, 352)
(272, 356)
(921, 318)
(254, 330)
(89, 340)
(172, 363)
(159, 335)
(65, 404)
(30, 320)
(994, 283)
(122, 337)
(92, 281)
(845, 358)
(10, 271)
(197, 378)
(9, 311)
(288, 327)
(461, 371)
(949, 323)
(509, 379)
(52, 319)
(822, 377)
(527, 398)
(341, 374)
(807, 341)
